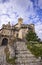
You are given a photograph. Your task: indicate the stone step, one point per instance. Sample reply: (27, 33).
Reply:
(17, 52)
(36, 63)
(23, 51)
(25, 55)
(21, 48)
(28, 58)
(21, 60)
(20, 44)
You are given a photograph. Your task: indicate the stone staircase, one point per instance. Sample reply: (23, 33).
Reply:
(24, 56)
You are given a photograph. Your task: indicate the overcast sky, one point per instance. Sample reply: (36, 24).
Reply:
(29, 10)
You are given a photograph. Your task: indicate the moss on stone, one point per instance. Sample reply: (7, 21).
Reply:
(8, 59)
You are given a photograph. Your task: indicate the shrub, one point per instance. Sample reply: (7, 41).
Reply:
(36, 50)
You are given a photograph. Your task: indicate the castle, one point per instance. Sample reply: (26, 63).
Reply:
(18, 30)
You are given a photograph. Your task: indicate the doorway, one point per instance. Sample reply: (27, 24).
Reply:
(4, 41)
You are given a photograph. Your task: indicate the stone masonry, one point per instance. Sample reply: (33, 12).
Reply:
(24, 56)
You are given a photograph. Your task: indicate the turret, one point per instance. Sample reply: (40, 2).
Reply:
(31, 27)
(20, 21)
(9, 23)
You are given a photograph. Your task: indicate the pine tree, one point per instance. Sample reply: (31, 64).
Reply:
(31, 36)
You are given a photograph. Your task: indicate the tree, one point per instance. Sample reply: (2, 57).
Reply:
(31, 36)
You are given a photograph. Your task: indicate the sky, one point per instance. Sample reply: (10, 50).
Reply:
(29, 10)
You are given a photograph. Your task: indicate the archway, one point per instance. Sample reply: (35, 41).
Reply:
(4, 41)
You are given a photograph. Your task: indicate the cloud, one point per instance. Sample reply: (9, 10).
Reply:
(29, 10)
(38, 29)
(3, 1)
(16, 8)
(37, 4)
(40, 3)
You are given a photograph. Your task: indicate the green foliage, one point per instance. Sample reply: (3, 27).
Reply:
(31, 36)
(10, 60)
(35, 49)
(34, 44)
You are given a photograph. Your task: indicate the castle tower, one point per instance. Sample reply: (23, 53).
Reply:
(9, 23)
(20, 21)
(32, 27)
